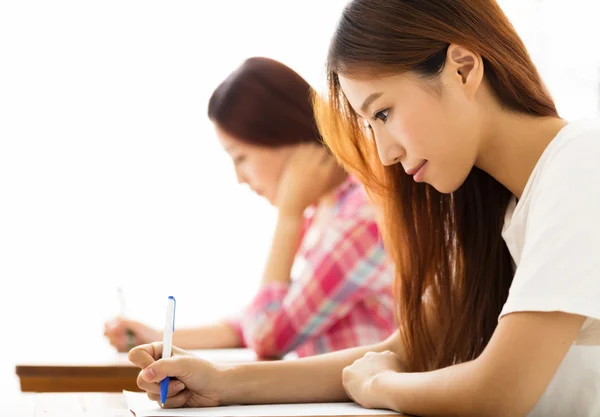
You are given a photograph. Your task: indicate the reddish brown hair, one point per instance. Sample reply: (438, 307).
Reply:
(264, 102)
(448, 246)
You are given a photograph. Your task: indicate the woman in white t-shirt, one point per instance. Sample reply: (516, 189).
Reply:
(491, 206)
(491, 210)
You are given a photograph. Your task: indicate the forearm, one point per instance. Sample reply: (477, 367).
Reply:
(212, 336)
(457, 390)
(283, 247)
(313, 379)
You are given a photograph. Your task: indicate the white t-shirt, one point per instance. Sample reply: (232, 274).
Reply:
(553, 235)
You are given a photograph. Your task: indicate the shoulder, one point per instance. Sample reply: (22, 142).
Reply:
(577, 144)
(572, 166)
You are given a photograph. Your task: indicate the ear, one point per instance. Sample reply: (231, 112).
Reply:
(464, 67)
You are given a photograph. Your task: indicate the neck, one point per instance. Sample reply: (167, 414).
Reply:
(511, 152)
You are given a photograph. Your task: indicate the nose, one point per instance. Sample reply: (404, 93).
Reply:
(241, 178)
(389, 150)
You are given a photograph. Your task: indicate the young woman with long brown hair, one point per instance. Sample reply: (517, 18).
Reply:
(490, 205)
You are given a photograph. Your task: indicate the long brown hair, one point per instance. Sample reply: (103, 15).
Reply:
(264, 102)
(448, 248)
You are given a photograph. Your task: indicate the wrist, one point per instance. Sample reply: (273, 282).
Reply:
(290, 220)
(377, 390)
(290, 210)
(232, 384)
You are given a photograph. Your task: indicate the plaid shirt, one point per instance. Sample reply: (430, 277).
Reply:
(340, 294)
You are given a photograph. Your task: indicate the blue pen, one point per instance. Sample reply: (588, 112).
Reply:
(167, 345)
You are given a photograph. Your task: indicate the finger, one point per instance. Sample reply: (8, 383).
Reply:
(112, 329)
(350, 397)
(117, 342)
(115, 325)
(110, 323)
(132, 325)
(173, 402)
(346, 374)
(346, 385)
(120, 346)
(370, 354)
(144, 355)
(176, 366)
(175, 386)
(177, 401)
(149, 387)
(179, 351)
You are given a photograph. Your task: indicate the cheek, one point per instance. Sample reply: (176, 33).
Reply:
(267, 172)
(252, 173)
(422, 129)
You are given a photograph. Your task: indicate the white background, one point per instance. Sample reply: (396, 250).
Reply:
(110, 174)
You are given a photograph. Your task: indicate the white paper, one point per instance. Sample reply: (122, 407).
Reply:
(141, 406)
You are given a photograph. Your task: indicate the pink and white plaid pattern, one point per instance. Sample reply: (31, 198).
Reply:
(341, 295)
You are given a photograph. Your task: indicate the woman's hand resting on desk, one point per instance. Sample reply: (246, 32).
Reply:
(116, 332)
(309, 174)
(199, 383)
(358, 378)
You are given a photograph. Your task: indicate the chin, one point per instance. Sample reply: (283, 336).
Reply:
(446, 187)
(443, 189)
(271, 200)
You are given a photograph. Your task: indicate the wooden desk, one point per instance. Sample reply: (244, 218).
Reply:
(88, 405)
(113, 373)
(77, 378)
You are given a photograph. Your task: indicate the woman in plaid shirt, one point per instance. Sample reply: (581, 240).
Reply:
(327, 284)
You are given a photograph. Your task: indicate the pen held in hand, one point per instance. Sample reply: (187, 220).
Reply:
(129, 336)
(167, 345)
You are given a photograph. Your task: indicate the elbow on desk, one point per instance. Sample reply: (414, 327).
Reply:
(264, 346)
(265, 349)
(507, 407)
(494, 397)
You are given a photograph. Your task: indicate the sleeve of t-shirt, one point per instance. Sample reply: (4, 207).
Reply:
(560, 263)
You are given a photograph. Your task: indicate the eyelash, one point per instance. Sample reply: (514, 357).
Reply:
(239, 159)
(380, 115)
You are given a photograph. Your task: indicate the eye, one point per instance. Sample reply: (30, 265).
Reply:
(381, 115)
(239, 159)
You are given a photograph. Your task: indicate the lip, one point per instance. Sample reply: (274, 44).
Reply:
(418, 171)
(418, 177)
(415, 170)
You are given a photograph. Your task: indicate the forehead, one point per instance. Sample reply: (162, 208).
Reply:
(227, 141)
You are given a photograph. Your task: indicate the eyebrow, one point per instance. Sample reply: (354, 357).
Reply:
(369, 100)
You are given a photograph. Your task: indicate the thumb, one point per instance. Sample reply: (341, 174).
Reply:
(175, 366)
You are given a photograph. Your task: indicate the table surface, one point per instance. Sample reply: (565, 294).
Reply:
(87, 405)
(81, 405)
